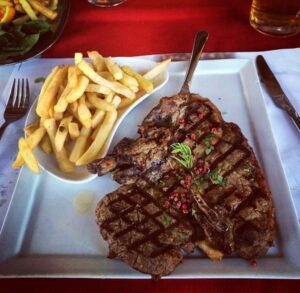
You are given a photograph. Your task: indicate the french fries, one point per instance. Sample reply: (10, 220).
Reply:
(62, 132)
(28, 156)
(38, 6)
(78, 58)
(28, 9)
(145, 84)
(95, 147)
(45, 145)
(83, 111)
(113, 68)
(97, 88)
(29, 129)
(78, 107)
(48, 94)
(156, 70)
(99, 103)
(61, 155)
(73, 130)
(72, 77)
(98, 61)
(79, 90)
(129, 80)
(32, 141)
(95, 77)
(80, 144)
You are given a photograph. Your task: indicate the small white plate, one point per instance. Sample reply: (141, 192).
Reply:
(80, 174)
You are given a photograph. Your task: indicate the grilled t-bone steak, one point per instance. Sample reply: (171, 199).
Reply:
(187, 151)
(141, 231)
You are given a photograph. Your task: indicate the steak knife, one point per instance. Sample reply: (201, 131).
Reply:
(275, 90)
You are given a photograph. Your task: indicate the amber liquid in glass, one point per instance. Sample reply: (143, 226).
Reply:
(276, 17)
(106, 3)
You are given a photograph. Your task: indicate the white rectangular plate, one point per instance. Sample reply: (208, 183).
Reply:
(45, 235)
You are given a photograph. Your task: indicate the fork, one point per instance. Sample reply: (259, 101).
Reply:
(17, 104)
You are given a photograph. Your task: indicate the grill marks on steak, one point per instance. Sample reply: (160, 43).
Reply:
(140, 231)
(236, 216)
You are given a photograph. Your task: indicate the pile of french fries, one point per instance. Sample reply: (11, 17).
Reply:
(78, 107)
(33, 9)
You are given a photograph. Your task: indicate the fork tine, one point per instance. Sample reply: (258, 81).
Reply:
(27, 94)
(17, 100)
(22, 94)
(11, 95)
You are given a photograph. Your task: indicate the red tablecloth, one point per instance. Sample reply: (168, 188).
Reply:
(149, 27)
(140, 27)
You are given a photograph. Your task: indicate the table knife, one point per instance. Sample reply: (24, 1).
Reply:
(275, 90)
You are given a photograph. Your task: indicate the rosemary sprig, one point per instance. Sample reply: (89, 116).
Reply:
(183, 154)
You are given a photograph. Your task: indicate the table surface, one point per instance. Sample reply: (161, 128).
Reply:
(150, 27)
(157, 26)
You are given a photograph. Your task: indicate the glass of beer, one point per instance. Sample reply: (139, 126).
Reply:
(106, 3)
(279, 18)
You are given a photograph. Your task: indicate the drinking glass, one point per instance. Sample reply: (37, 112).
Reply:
(106, 3)
(276, 17)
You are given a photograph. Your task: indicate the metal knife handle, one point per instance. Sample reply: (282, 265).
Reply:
(199, 42)
(286, 105)
(296, 119)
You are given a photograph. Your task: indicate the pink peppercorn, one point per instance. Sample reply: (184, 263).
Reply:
(167, 204)
(206, 169)
(193, 136)
(178, 204)
(201, 115)
(254, 263)
(213, 141)
(200, 162)
(214, 129)
(181, 121)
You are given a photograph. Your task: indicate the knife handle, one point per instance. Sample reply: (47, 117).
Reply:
(289, 108)
(296, 119)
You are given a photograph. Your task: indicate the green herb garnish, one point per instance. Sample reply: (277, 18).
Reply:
(209, 149)
(199, 183)
(39, 79)
(184, 154)
(215, 177)
(166, 220)
(19, 39)
(207, 142)
(194, 212)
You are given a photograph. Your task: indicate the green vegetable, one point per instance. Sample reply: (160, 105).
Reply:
(39, 79)
(18, 40)
(194, 213)
(208, 147)
(215, 177)
(185, 156)
(166, 220)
